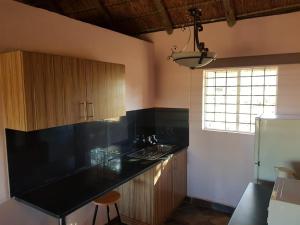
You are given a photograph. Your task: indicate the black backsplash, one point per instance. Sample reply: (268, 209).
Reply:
(41, 157)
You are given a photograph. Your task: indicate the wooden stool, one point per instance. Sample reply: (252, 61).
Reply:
(106, 200)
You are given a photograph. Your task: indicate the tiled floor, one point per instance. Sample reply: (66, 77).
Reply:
(188, 214)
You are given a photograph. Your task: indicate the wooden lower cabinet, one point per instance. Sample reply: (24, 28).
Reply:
(180, 178)
(150, 198)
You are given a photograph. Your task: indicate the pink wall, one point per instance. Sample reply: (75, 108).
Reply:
(28, 28)
(220, 164)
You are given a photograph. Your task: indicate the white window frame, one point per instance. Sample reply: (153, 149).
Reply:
(238, 69)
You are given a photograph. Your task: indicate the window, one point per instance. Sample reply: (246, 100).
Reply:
(234, 97)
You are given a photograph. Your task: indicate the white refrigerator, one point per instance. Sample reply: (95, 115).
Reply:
(277, 144)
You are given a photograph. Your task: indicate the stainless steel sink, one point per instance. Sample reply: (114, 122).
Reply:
(152, 152)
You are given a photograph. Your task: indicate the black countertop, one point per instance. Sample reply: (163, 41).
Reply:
(253, 207)
(67, 195)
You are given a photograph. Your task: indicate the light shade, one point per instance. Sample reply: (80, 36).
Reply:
(193, 59)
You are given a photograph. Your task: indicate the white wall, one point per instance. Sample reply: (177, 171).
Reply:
(220, 165)
(27, 28)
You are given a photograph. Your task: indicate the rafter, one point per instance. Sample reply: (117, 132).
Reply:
(229, 12)
(166, 20)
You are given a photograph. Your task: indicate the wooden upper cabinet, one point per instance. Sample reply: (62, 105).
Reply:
(105, 94)
(43, 90)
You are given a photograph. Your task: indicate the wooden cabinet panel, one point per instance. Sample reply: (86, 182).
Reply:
(163, 191)
(12, 91)
(136, 205)
(150, 198)
(41, 90)
(73, 89)
(179, 177)
(54, 90)
(96, 82)
(116, 89)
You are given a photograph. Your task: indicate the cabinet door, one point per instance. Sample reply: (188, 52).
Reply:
(163, 191)
(116, 89)
(54, 90)
(136, 203)
(97, 89)
(74, 89)
(13, 110)
(179, 177)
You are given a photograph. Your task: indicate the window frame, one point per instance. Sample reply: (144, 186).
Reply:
(238, 95)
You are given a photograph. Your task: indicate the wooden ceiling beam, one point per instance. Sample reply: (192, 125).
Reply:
(166, 20)
(229, 12)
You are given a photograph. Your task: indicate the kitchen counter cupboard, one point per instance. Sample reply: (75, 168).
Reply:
(41, 90)
(150, 198)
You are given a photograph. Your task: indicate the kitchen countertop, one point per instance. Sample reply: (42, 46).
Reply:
(253, 207)
(71, 193)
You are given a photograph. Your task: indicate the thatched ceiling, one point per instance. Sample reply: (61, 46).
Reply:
(135, 17)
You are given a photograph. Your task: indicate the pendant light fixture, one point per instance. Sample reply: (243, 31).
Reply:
(201, 56)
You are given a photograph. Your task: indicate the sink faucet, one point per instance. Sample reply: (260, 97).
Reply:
(152, 139)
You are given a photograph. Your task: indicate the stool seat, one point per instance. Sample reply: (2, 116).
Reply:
(107, 199)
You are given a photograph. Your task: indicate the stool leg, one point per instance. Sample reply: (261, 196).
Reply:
(118, 213)
(95, 214)
(108, 218)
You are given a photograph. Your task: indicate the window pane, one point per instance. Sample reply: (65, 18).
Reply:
(210, 74)
(210, 82)
(232, 73)
(246, 72)
(220, 90)
(231, 99)
(245, 99)
(220, 99)
(231, 81)
(209, 116)
(221, 82)
(230, 117)
(258, 72)
(234, 98)
(210, 90)
(257, 110)
(221, 74)
(231, 126)
(245, 81)
(245, 108)
(245, 90)
(219, 125)
(231, 90)
(269, 110)
(271, 80)
(257, 100)
(271, 71)
(231, 108)
(209, 124)
(244, 118)
(257, 90)
(210, 107)
(220, 108)
(270, 90)
(220, 117)
(210, 99)
(270, 100)
(258, 80)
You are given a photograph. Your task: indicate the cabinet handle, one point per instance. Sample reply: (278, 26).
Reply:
(93, 110)
(83, 110)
